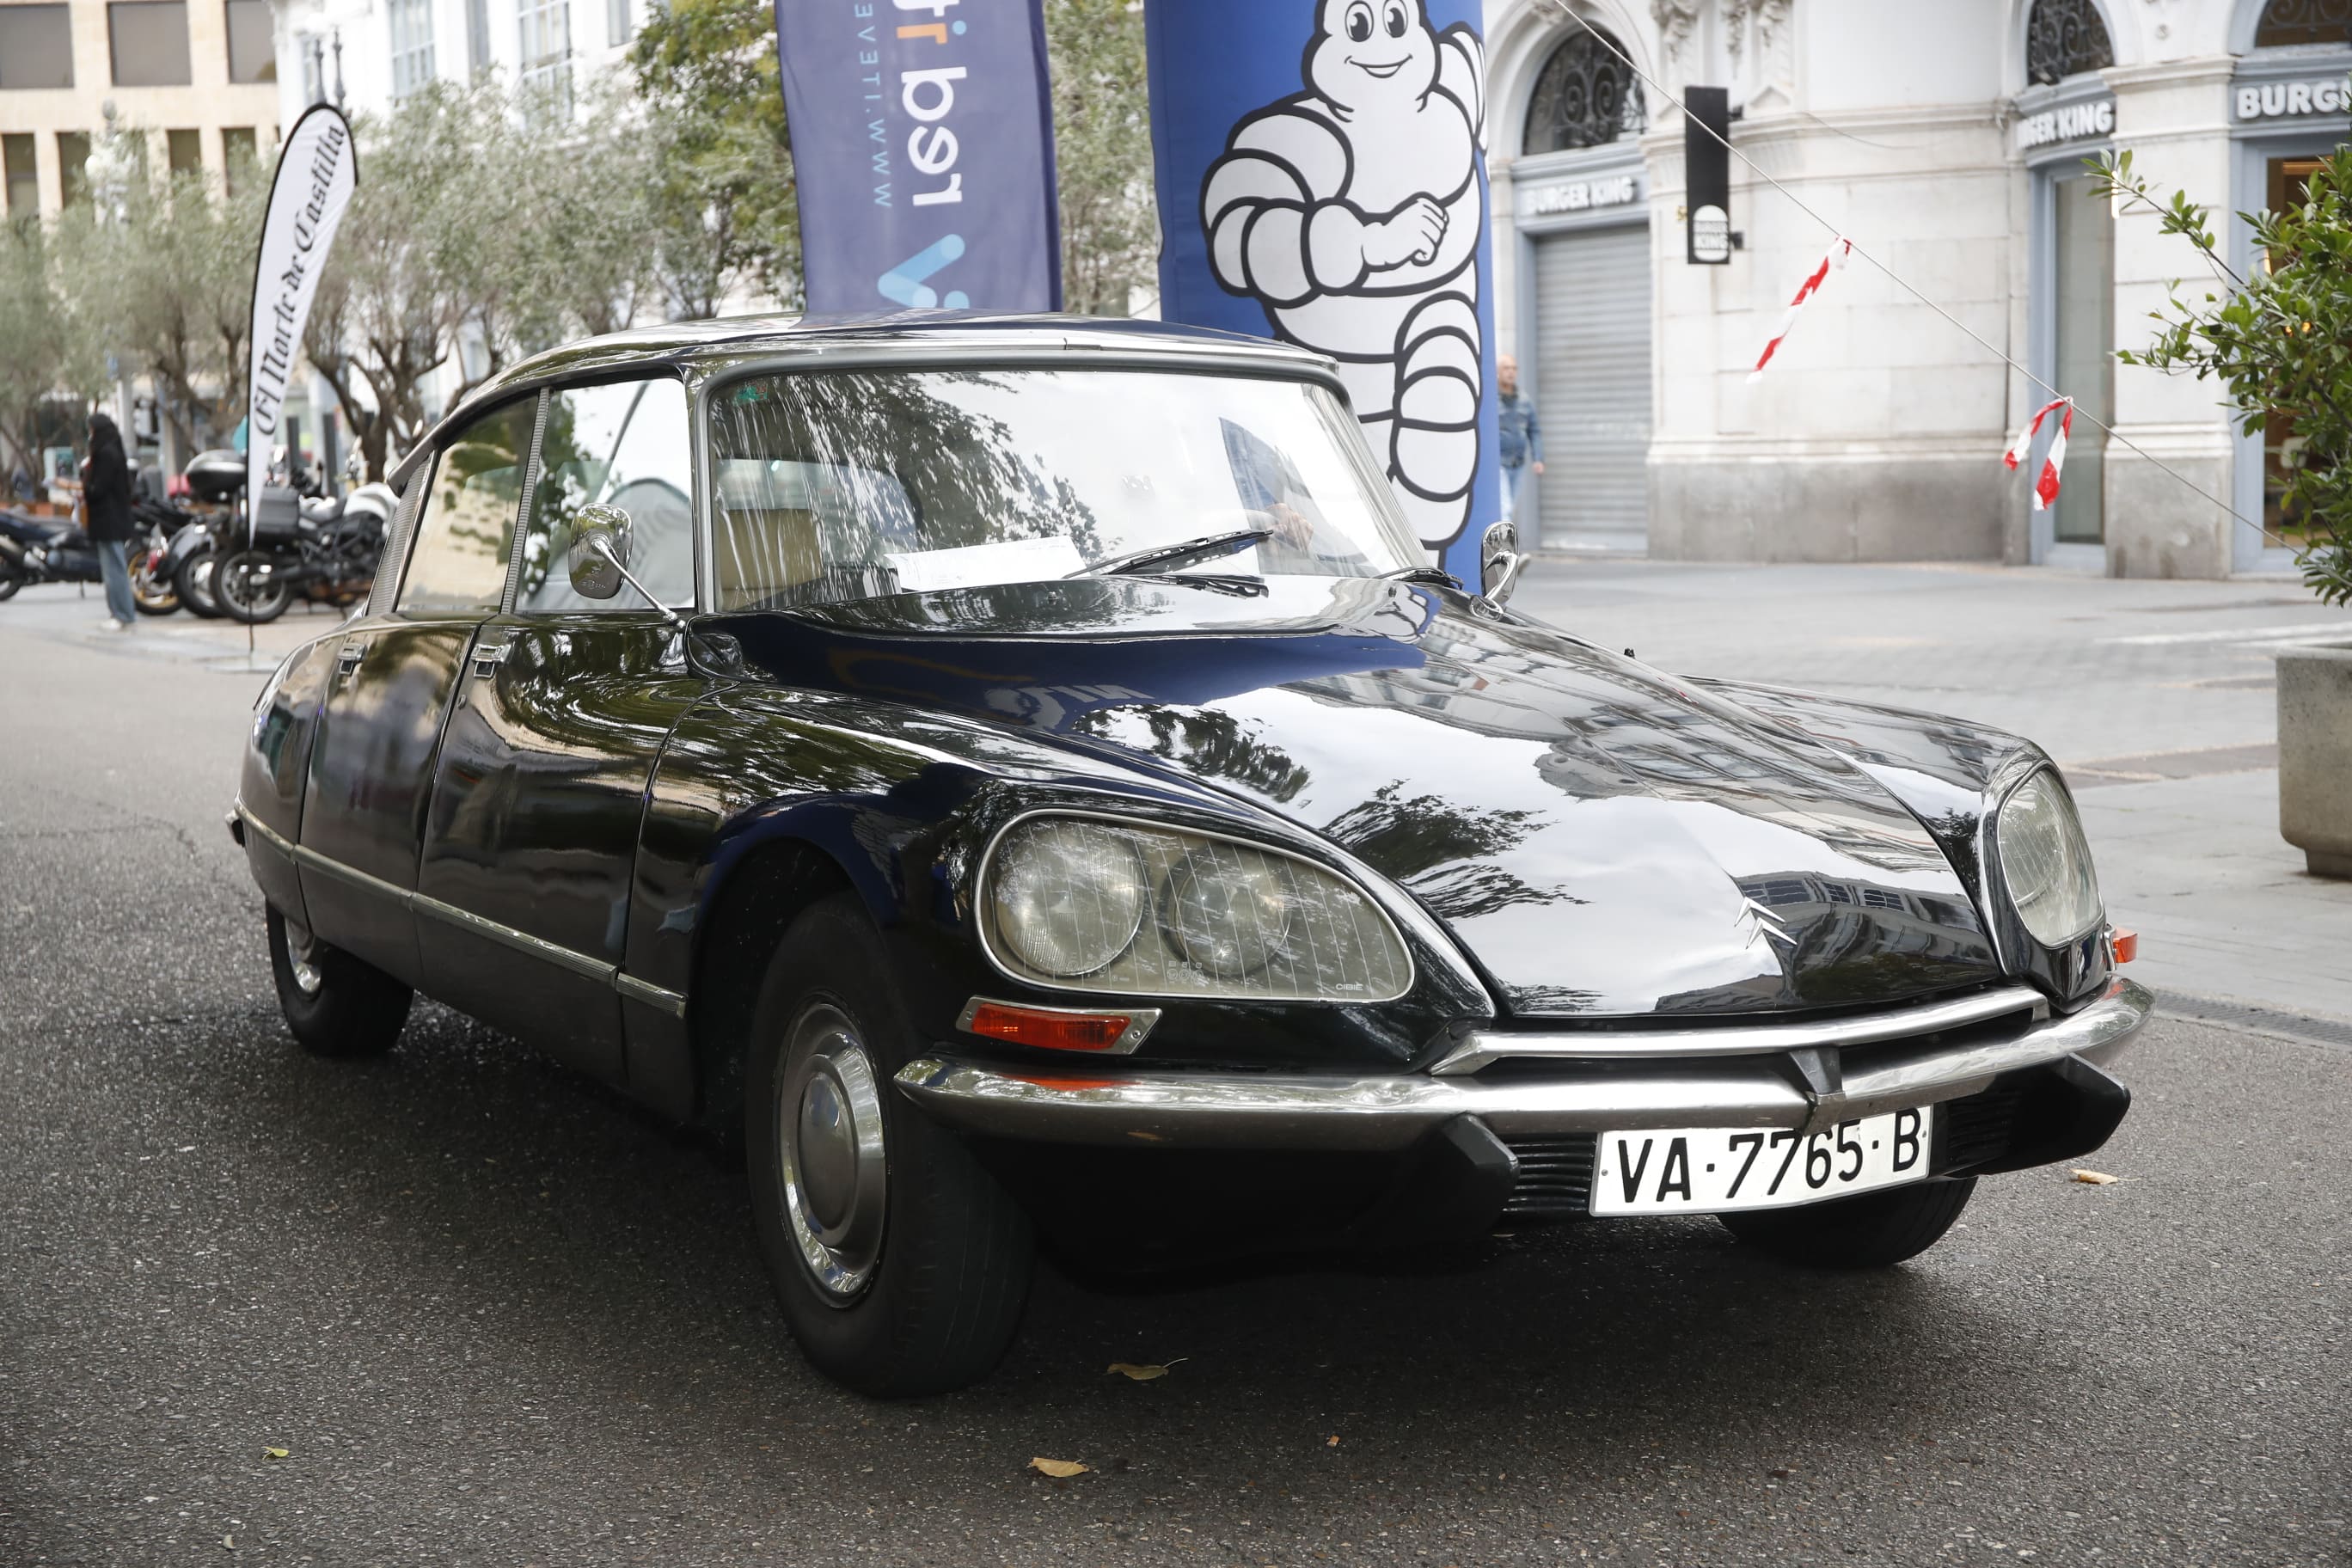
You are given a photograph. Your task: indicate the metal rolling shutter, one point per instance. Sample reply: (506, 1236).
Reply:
(1592, 389)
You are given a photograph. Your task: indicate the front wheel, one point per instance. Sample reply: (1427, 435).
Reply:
(336, 1006)
(12, 577)
(1875, 1230)
(249, 585)
(900, 1265)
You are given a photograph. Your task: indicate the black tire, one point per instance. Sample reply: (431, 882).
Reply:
(934, 1259)
(191, 579)
(1876, 1231)
(249, 585)
(341, 1007)
(150, 594)
(11, 578)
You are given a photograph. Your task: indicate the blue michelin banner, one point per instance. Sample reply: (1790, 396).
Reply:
(923, 151)
(1321, 181)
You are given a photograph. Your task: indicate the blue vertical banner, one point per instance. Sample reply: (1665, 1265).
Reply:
(922, 139)
(1323, 180)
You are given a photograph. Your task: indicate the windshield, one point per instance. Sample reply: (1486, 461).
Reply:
(851, 484)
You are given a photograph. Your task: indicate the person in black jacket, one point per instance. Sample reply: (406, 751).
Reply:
(106, 517)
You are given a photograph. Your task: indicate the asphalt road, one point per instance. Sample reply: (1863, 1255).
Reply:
(492, 1315)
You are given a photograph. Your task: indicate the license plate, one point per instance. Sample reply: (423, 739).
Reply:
(1706, 1169)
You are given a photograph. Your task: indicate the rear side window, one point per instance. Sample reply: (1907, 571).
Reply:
(467, 531)
(624, 445)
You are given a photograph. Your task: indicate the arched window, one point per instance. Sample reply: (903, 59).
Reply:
(2289, 22)
(2064, 38)
(1585, 96)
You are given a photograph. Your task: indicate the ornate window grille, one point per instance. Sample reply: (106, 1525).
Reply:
(2065, 37)
(2289, 22)
(1584, 97)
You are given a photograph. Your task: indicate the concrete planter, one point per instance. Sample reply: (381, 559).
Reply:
(2314, 726)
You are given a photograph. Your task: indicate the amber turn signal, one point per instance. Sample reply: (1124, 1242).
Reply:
(2124, 944)
(1058, 1028)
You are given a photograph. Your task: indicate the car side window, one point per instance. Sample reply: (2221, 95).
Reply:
(627, 445)
(467, 531)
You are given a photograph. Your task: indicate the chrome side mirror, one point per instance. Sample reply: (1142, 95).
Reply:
(599, 557)
(1499, 560)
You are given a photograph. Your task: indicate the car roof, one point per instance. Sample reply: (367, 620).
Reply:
(671, 345)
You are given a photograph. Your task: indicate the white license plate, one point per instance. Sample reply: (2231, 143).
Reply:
(1706, 1169)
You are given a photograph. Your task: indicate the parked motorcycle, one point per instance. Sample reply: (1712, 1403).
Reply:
(34, 550)
(212, 481)
(322, 550)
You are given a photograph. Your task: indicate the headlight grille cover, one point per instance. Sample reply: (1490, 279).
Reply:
(2046, 862)
(1084, 903)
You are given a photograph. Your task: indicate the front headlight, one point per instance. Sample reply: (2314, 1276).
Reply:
(2046, 863)
(1082, 903)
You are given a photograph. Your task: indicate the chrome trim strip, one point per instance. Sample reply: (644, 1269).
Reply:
(1485, 1047)
(1140, 1021)
(1295, 1112)
(1139, 824)
(659, 996)
(522, 942)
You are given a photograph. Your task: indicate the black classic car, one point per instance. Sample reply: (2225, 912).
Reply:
(1017, 779)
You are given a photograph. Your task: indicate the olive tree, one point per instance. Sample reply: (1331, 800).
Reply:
(487, 226)
(723, 213)
(2279, 341)
(40, 351)
(1102, 152)
(160, 275)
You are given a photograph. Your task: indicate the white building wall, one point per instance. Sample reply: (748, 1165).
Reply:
(1876, 433)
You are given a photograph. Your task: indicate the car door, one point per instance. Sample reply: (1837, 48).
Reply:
(539, 792)
(388, 695)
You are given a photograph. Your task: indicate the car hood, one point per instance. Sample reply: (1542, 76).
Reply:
(1604, 838)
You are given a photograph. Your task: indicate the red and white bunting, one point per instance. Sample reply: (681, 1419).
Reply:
(2046, 487)
(1839, 249)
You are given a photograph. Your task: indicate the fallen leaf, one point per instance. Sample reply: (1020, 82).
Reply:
(1331, 1442)
(1782, 1472)
(1060, 1469)
(2096, 1178)
(229, 1541)
(1141, 1372)
(275, 1453)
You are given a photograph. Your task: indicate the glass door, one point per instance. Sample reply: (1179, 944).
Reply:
(2289, 178)
(2084, 338)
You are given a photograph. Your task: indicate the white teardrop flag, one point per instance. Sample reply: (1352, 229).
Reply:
(317, 168)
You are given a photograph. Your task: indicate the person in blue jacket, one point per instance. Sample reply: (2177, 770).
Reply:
(1522, 433)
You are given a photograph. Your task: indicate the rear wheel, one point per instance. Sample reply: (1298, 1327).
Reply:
(249, 585)
(900, 1265)
(191, 579)
(11, 577)
(1875, 1230)
(336, 1006)
(151, 593)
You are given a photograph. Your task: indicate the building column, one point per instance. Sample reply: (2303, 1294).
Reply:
(2175, 120)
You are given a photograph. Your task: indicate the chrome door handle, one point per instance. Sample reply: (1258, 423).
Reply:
(347, 660)
(487, 657)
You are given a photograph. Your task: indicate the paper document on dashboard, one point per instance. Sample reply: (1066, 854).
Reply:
(981, 565)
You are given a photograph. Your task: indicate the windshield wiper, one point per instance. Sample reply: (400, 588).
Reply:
(1163, 555)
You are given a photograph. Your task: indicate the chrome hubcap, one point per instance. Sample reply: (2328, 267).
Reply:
(302, 948)
(829, 1152)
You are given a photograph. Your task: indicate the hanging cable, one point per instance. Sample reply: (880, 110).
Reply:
(1602, 39)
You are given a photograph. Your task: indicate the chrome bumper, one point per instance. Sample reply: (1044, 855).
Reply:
(1186, 1110)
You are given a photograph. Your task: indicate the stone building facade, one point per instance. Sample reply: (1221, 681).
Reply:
(1945, 138)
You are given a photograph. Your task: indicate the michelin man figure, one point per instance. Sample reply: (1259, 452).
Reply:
(1351, 212)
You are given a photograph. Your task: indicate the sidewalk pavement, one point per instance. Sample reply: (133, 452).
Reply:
(2157, 698)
